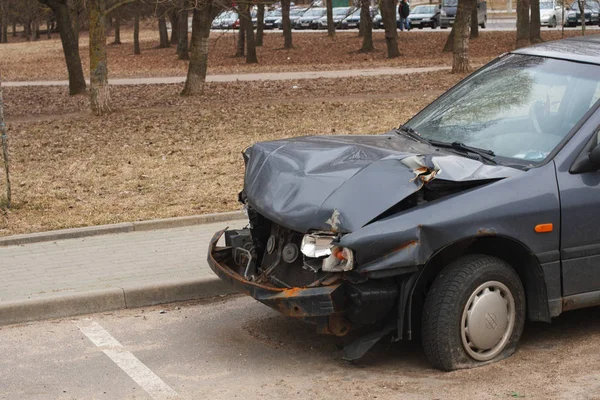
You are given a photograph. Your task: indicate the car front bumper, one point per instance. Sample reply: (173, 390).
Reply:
(321, 305)
(446, 21)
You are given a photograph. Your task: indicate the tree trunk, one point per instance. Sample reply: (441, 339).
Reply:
(182, 45)
(27, 30)
(76, 23)
(286, 24)
(460, 62)
(582, 12)
(174, 27)
(449, 46)
(99, 90)
(162, 30)
(388, 14)
(241, 40)
(330, 25)
(474, 23)
(246, 22)
(196, 77)
(48, 28)
(36, 29)
(4, 139)
(522, 23)
(117, 30)
(136, 30)
(260, 23)
(4, 32)
(535, 34)
(69, 43)
(14, 29)
(366, 26)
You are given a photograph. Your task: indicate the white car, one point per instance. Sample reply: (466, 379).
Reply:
(551, 13)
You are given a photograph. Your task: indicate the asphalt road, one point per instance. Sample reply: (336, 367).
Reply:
(494, 24)
(236, 348)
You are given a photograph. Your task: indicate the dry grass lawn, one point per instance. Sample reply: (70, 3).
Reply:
(43, 60)
(183, 158)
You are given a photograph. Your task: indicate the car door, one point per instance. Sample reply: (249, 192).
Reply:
(580, 217)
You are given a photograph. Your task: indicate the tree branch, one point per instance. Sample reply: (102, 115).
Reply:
(118, 5)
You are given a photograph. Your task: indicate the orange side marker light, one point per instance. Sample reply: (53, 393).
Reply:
(543, 228)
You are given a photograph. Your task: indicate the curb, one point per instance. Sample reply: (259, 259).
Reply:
(124, 227)
(73, 304)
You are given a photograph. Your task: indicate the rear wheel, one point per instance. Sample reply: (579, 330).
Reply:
(474, 313)
(553, 23)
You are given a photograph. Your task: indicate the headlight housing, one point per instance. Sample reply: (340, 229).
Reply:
(335, 258)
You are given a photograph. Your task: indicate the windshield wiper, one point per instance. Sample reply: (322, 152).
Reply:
(484, 154)
(411, 133)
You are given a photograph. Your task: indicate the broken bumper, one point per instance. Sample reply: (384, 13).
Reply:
(314, 303)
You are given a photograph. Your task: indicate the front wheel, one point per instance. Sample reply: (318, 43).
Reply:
(474, 313)
(483, 25)
(434, 24)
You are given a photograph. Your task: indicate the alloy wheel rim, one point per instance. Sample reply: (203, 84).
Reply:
(488, 320)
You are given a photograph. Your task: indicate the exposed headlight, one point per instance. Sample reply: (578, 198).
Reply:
(335, 258)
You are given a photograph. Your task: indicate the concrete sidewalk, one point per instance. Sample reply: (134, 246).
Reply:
(100, 273)
(266, 76)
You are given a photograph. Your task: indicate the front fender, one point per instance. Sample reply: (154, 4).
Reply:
(510, 207)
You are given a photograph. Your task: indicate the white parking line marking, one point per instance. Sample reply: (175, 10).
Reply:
(133, 367)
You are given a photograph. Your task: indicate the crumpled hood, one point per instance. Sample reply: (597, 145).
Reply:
(341, 183)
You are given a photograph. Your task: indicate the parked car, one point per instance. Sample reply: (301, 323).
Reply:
(295, 13)
(378, 20)
(425, 15)
(230, 20)
(216, 24)
(271, 19)
(591, 12)
(353, 20)
(448, 13)
(310, 19)
(551, 13)
(479, 213)
(339, 18)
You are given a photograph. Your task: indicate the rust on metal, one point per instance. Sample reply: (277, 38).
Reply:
(486, 232)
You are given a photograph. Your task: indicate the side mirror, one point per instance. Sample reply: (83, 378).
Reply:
(594, 156)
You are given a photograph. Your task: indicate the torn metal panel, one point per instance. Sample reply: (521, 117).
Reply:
(342, 183)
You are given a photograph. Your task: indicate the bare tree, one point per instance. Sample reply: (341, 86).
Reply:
(70, 46)
(535, 35)
(203, 14)
(99, 90)
(449, 46)
(286, 24)
(162, 29)
(136, 29)
(241, 42)
(523, 36)
(117, 30)
(248, 28)
(581, 4)
(462, 21)
(260, 23)
(3, 21)
(174, 26)
(330, 24)
(388, 14)
(366, 27)
(4, 138)
(474, 23)
(182, 20)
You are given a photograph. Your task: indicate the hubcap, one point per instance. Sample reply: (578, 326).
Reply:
(488, 320)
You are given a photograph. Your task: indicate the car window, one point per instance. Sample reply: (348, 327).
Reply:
(520, 107)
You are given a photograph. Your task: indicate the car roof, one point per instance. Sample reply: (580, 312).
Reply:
(585, 49)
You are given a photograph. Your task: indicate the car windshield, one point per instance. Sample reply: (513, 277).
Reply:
(230, 14)
(341, 11)
(450, 3)
(520, 107)
(424, 10)
(546, 5)
(276, 13)
(315, 12)
(296, 12)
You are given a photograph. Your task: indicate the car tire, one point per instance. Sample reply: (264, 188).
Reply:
(443, 27)
(434, 24)
(553, 23)
(483, 25)
(479, 292)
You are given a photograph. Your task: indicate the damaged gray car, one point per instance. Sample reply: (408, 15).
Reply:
(480, 212)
